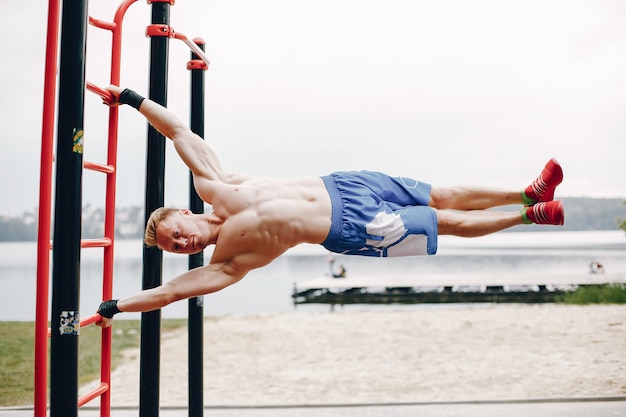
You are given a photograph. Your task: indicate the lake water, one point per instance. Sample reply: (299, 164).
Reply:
(269, 289)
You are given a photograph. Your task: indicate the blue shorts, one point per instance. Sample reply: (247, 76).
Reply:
(374, 214)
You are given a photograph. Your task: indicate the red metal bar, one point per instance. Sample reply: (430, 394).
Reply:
(96, 243)
(109, 223)
(94, 166)
(88, 321)
(101, 24)
(42, 332)
(45, 205)
(198, 64)
(194, 47)
(105, 94)
(168, 31)
(93, 243)
(95, 393)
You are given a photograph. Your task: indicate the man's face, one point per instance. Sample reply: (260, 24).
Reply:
(181, 232)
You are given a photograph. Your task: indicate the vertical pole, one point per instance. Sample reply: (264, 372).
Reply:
(64, 320)
(196, 205)
(110, 203)
(45, 201)
(149, 373)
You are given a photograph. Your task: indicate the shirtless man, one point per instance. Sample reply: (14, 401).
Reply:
(256, 219)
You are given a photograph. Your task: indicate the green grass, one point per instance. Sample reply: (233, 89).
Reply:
(596, 294)
(17, 349)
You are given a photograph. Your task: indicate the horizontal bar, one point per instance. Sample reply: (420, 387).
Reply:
(95, 243)
(168, 31)
(92, 243)
(88, 321)
(95, 393)
(105, 94)
(195, 48)
(94, 166)
(102, 24)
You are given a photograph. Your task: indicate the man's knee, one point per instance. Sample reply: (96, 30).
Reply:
(441, 198)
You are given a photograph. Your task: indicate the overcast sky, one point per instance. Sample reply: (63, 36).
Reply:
(449, 92)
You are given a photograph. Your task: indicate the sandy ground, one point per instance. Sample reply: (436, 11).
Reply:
(447, 353)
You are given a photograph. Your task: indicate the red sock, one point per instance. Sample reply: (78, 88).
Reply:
(550, 212)
(542, 188)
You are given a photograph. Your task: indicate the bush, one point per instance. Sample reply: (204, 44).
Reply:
(596, 294)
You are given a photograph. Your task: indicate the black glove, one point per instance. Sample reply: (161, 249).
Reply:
(131, 98)
(108, 309)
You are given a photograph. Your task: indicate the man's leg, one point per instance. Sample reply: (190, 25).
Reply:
(475, 198)
(471, 198)
(475, 223)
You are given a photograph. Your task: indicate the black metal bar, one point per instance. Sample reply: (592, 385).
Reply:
(196, 304)
(67, 214)
(149, 373)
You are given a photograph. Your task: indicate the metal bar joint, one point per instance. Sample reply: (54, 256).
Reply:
(160, 30)
(197, 64)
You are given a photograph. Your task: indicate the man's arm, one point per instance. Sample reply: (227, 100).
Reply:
(193, 283)
(194, 151)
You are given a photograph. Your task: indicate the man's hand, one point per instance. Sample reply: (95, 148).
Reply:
(115, 92)
(105, 322)
(107, 310)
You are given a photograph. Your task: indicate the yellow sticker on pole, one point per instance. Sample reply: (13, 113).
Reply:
(77, 141)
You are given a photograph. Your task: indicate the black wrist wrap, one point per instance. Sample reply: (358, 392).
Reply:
(108, 308)
(131, 98)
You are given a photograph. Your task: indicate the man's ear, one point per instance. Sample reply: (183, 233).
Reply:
(184, 212)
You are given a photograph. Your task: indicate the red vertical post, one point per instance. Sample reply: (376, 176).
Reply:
(109, 224)
(45, 203)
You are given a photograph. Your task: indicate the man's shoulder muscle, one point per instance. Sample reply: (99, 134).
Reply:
(222, 194)
(243, 241)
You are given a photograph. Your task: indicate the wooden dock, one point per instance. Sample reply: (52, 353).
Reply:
(461, 288)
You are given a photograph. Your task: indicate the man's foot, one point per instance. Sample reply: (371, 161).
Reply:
(550, 212)
(542, 188)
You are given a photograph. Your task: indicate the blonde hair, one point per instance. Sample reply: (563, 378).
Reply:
(155, 218)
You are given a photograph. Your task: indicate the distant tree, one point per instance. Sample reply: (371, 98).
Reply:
(14, 229)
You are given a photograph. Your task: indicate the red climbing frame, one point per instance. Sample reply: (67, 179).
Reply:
(42, 332)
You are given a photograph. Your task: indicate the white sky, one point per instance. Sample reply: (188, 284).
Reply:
(449, 92)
